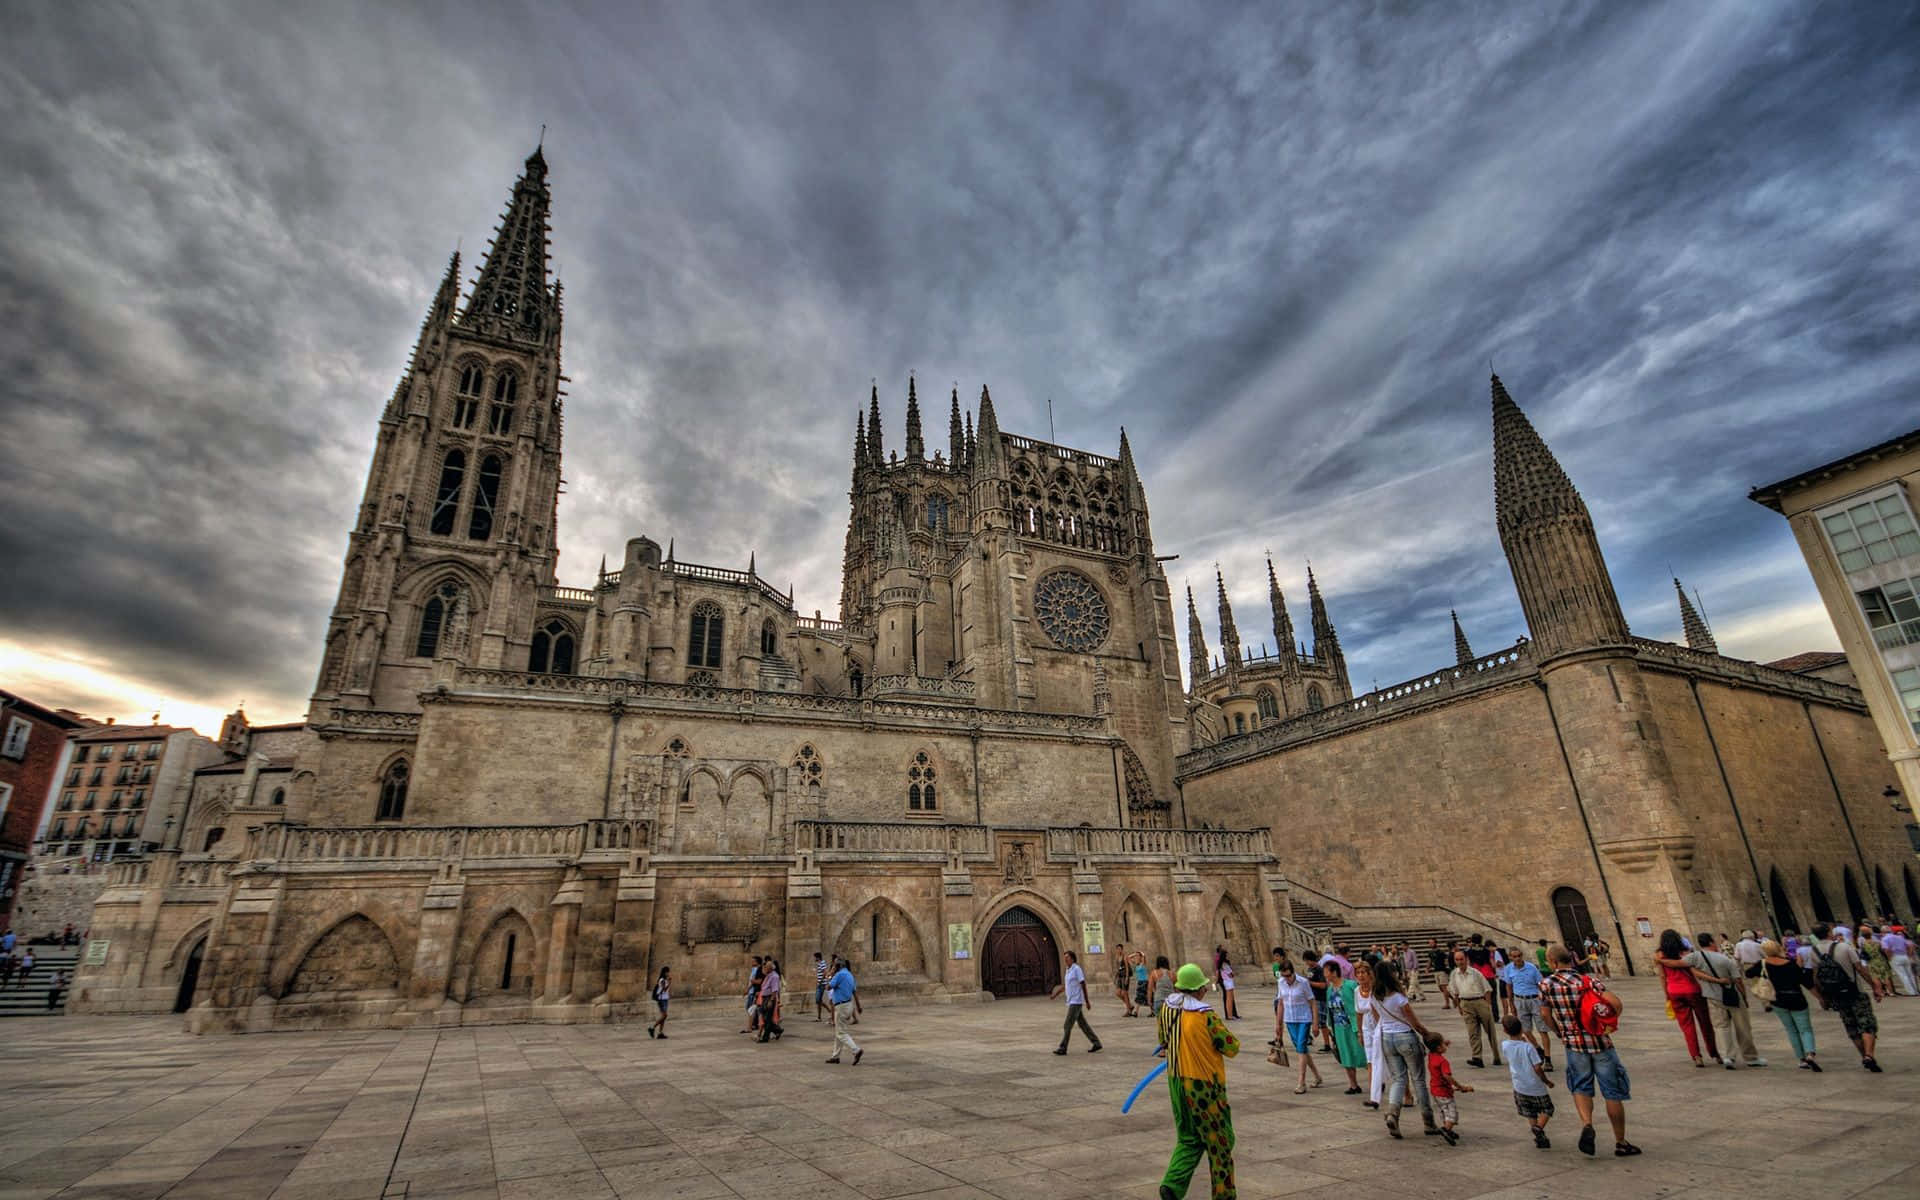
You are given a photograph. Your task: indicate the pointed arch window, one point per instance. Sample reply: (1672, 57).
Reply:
(466, 400)
(807, 768)
(552, 649)
(856, 682)
(1268, 704)
(433, 618)
(486, 490)
(393, 792)
(446, 498)
(769, 637)
(921, 796)
(279, 797)
(506, 388)
(1314, 700)
(703, 641)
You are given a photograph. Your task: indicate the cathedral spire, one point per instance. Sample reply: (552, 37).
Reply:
(1326, 643)
(859, 443)
(1699, 636)
(1196, 644)
(970, 442)
(875, 454)
(916, 445)
(1462, 653)
(1282, 622)
(510, 297)
(956, 440)
(1229, 634)
(447, 299)
(1548, 538)
(987, 452)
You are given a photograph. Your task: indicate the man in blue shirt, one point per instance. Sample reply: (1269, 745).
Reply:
(840, 989)
(1523, 980)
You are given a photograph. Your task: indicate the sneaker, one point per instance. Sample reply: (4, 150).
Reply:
(1756, 1062)
(1871, 1064)
(1393, 1125)
(1625, 1149)
(1540, 1140)
(1453, 1139)
(1586, 1140)
(1727, 1063)
(835, 1060)
(652, 1032)
(856, 1056)
(1474, 1062)
(1813, 1066)
(663, 1037)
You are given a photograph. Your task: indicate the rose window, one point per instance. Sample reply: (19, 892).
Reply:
(1071, 610)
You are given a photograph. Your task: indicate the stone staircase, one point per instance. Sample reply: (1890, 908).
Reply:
(777, 675)
(1424, 938)
(31, 1000)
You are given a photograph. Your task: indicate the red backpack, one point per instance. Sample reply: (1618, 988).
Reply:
(1596, 1015)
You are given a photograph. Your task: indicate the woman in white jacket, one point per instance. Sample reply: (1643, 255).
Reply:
(1370, 1032)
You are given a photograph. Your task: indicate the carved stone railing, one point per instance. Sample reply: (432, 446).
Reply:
(367, 718)
(566, 595)
(818, 624)
(1158, 845)
(900, 840)
(747, 579)
(1262, 661)
(769, 703)
(891, 686)
(1490, 670)
(1035, 445)
(1741, 671)
(205, 872)
(127, 872)
(291, 845)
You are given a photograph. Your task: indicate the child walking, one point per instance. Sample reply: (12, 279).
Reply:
(1530, 1083)
(1442, 1085)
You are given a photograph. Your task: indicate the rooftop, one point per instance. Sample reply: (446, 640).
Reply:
(1807, 660)
(1772, 494)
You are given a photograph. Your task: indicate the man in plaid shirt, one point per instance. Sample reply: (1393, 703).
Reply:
(1591, 1058)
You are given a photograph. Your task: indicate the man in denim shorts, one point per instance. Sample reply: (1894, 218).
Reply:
(1591, 1059)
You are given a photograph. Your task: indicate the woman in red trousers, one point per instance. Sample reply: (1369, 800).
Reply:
(1682, 981)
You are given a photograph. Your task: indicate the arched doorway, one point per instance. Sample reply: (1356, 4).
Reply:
(1782, 905)
(1856, 904)
(1822, 907)
(190, 977)
(1019, 957)
(1576, 923)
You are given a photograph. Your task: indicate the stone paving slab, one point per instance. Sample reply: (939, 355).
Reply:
(962, 1103)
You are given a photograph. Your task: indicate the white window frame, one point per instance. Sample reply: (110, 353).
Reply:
(1873, 497)
(19, 735)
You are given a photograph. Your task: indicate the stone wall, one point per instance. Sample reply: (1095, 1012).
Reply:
(51, 899)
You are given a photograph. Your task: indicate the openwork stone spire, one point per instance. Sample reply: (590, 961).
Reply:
(1548, 537)
(876, 454)
(916, 445)
(1326, 643)
(1462, 653)
(956, 440)
(511, 298)
(1282, 622)
(1229, 633)
(859, 442)
(1196, 643)
(1699, 636)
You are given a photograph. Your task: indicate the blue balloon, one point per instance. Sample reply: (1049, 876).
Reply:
(1148, 1078)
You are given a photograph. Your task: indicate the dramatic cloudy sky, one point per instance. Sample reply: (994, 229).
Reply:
(1278, 243)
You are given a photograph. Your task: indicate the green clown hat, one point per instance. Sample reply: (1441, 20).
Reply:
(1190, 979)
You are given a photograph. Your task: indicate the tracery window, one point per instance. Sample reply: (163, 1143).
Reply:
(393, 792)
(446, 498)
(920, 785)
(552, 648)
(807, 768)
(500, 417)
(1071, 610)
(1314, 701)
(937, 512)
(486, 491)
(433, 618)
(677, 748)
(1269, 706)
(466, 401)
(703, 642)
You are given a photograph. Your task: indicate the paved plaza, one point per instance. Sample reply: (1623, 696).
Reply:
(950, 1102)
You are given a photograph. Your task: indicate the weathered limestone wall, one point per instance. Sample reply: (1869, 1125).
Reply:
(50, 900)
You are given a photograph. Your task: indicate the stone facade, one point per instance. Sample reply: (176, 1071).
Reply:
(1585, 767)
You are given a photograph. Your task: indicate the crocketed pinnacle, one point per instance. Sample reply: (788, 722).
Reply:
(859, 442)
(1229, 633)
(1282, 622)
(986, 451)
(510, 297)
(876, 454)
(956, 439)
(916, 445)
(1528, 481)
(1196, 643)
(1699, 636)
(1462, 653)
(971, 445)
(1326, 643)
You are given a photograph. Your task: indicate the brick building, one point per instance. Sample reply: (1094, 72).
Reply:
(33, 750)
(119, 787)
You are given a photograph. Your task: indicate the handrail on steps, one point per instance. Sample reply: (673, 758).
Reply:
(1524, 939)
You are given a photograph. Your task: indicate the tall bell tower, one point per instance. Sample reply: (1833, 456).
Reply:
(456, 530)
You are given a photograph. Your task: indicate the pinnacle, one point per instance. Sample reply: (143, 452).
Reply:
(1527, 479)
(1462, 652)
(1699, 635)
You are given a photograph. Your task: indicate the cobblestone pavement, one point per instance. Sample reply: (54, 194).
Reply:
(949, 1103)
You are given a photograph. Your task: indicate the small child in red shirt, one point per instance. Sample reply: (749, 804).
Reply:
(1442, 1084)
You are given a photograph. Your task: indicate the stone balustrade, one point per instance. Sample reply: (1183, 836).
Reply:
(903, 840)
(1755, 674)
(200, 873)
(128, 872)
(298, 845)
(889, 686)
(1124, 844)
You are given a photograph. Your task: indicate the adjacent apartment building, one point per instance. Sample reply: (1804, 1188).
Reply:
(120, 785)
(1854, 520)
(33, 747)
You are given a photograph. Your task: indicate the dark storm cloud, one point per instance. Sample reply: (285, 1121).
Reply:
(1278, 245)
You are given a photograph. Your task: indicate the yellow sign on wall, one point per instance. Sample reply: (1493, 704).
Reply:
(1093, 935)
(960, 940)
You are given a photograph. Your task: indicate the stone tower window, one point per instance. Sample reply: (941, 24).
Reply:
(703, 642)
(433, 618)
(769, 637)
(500, 417)
(1269, 706)
(486, 491)
(937, 512)
(393, 792)
(446, 498)
(856, 682)
(213, 838)
(552, 648)
(1315, 702)
(920, 785)
(466, 402)
(807, 768)
(1239, 722)
(279, 797)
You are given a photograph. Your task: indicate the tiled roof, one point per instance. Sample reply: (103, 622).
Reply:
(1810, 660)
(111, 733)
